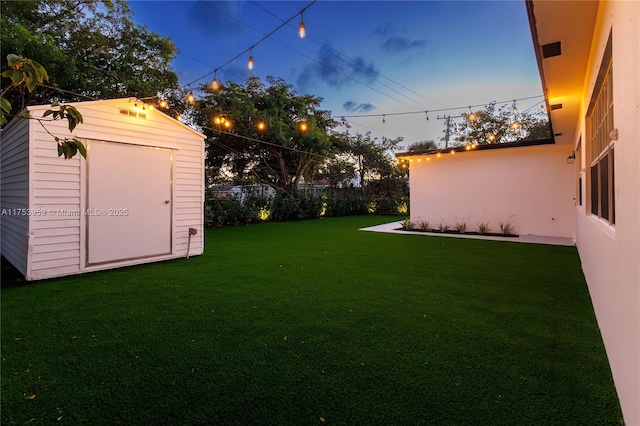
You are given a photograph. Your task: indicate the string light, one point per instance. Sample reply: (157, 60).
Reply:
(303, 126)
(258, 42)
(191, 99)
(491, 137)
(438, 110)
(384, 119)
(163, 103)
(250, 64)
(261, 126)
(426, 115)
(471, 116)
(302, 30)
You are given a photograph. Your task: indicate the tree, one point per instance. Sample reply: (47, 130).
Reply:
(374, 160)
(422, 146)
(267, 133)
(88, 47)
(499, 125)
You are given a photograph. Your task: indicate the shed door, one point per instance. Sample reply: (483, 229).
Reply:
(129, 202)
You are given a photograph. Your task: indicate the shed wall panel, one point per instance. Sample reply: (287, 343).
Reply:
(14, 193)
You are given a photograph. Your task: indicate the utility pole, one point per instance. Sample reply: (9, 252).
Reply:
(447, 133)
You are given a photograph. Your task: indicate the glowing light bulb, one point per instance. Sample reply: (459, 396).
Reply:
(438, 155)
(515, 125)
(227, 124)
(163, 103)
(468, 147)
(250, 64)
(428, 158)
(190, 98)
(492, 138)
(453, 151)
(215, 85)
(302, 30)
(261, 125)
(303, 126)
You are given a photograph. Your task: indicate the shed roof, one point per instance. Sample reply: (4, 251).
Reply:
(123, 103)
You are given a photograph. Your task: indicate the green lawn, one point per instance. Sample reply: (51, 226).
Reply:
(313, 322)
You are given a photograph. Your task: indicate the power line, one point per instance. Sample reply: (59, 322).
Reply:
(293, 50)
(351, 61)
(255, 44)
(435, 110)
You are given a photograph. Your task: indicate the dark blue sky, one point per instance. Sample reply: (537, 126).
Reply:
(362, 57)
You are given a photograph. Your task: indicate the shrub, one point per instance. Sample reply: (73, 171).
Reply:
(424, 225)
(461, 226)
(407, 225)
(351, 204)
(483, 228)
(297, 205)
(506, 228)
(225, 212)
(443, 227)
(391, 205)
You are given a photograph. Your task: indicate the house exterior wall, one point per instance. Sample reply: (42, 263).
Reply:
(57, 240)
(610, 254)
(14, 196)
(532, 187)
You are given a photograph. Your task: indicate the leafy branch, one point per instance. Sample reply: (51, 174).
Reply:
(28, 73)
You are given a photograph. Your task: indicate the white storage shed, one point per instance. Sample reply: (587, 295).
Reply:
(137, 198)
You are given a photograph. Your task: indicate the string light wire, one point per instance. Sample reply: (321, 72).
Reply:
(254, 44)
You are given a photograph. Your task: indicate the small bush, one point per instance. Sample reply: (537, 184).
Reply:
(483, 228)
(506, 228)
(461, 226)
(443, 227)
(407, 225)
(424, 225)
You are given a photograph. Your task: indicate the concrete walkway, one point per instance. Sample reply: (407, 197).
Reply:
(394, 228)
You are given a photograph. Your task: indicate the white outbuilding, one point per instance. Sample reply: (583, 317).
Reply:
(138, 196)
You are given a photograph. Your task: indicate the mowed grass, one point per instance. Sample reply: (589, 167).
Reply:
(308, 323)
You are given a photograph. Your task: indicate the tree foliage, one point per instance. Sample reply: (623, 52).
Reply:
(265, 133)
(26, 74)
(368, 163)
(422, 146)
(89, 47)
(500, 125)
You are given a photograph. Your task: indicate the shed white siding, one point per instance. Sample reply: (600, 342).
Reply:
(58, 240)
(14, 196)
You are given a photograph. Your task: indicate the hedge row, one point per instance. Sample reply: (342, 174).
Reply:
(234, 211)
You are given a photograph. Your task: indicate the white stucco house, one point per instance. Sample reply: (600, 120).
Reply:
(138, 196)
(588, 54)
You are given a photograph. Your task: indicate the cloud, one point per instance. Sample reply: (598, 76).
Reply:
(353, 106)
(335, 70)
(395, 42)
(399, 44)
(215, 18)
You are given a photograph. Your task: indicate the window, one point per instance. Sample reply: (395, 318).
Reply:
(600, 146)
